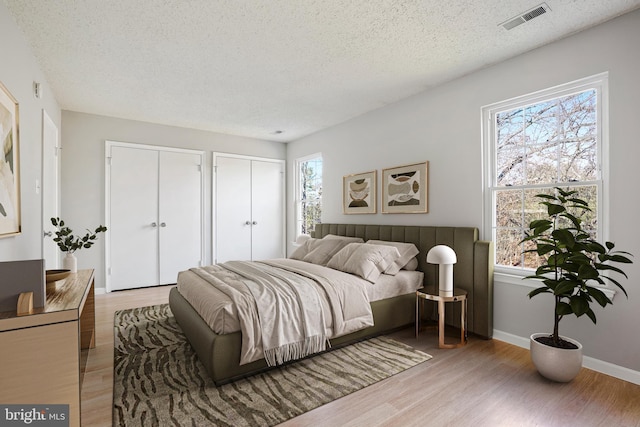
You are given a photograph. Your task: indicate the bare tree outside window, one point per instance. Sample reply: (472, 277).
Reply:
(537, 147)
(310, 197)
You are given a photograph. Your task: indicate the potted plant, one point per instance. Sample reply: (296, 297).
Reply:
(68, 243)
(572, 263)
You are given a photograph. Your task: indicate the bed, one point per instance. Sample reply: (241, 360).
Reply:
(220, 352)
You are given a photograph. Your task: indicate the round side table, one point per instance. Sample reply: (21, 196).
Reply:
(432, 293)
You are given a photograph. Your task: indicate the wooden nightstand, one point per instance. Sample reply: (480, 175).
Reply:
(431, 293)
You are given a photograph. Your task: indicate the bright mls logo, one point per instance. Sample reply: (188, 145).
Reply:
(38, 415)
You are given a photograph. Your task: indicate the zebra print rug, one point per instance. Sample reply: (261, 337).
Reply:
(158, 380)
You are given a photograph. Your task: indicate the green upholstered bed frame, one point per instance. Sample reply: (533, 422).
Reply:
(220, 354)
(473, 272)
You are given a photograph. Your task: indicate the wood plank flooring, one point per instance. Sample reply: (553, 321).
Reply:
(485, 383)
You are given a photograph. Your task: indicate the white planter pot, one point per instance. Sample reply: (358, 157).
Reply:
(556, 364)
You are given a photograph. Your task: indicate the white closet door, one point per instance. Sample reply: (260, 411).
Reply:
(134, 215)
(180, 214)
(267, 210)
(233, 209)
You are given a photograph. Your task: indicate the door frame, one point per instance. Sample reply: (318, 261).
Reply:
(107, 194)
(46, 220)
(214, 198)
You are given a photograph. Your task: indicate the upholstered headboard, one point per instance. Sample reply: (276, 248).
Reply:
(473, 272)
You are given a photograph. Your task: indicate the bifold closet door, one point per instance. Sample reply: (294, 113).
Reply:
(179, 214)
(155, 210)
(249, 209)
(233, 209)
(134, 218)
(266, 210)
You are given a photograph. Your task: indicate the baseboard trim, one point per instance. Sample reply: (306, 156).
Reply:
(597, 365)
(99, 291)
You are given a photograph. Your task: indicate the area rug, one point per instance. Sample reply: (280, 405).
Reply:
(158, 380)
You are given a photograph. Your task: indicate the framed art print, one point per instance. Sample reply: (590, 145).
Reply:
(359, 193)
(9, 161)
(404, 189)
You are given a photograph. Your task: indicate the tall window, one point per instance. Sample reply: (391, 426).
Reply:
(309, 183)
(535, 143)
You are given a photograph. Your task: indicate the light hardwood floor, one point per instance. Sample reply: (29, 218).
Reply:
(485, 383)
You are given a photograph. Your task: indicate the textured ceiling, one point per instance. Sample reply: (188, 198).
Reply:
(252, 68)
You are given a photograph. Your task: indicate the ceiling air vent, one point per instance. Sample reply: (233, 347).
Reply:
(527, 16)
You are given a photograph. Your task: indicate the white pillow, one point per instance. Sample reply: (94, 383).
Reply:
(318, 251)
(408, 251)
(348, 239)
(302, 250)
(364, 260)
(412, 265)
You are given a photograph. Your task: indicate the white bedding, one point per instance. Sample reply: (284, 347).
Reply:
(218, 311)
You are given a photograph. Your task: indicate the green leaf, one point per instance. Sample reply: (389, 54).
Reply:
(553, 209)
(544, 249)
(591, 316)
(564, 288)
(546, 196)
(599, 296)
(621, 259)
(537, 291)
(579, 202)
(615, 282)
(562, 309)
(540, 223)
(600, 266)
(579, 305)
(586, 272)
(539, 230)
(576, 221)
(596, 247)
(564, 236)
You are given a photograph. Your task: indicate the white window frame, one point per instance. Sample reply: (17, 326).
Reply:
(599, 82)
(297, 185)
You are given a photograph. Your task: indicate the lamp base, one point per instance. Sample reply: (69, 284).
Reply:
(445, 292)
(445, 280)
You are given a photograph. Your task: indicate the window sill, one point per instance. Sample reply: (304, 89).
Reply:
(518, 279)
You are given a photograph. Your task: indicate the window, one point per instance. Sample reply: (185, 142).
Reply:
(309, 193)
(537, 142)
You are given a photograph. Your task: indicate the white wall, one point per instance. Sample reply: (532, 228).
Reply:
(443, 125)
(18, 70)
(83, 168)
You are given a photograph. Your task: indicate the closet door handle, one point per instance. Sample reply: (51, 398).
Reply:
(254, 223)
(163, 224)
(153, 224)
(247, 223)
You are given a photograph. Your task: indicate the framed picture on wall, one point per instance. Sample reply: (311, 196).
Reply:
(9, 165)
(404, 189)
(359, 193)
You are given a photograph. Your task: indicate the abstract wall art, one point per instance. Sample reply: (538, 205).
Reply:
(359, 193)
(404, 189)
(9, 165)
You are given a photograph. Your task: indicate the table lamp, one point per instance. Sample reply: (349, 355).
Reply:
(445, 257)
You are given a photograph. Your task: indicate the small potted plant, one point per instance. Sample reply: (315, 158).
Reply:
(572, 263)
(68, 243)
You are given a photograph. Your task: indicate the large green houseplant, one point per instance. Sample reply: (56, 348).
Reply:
(573, 263)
